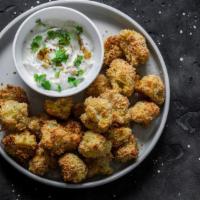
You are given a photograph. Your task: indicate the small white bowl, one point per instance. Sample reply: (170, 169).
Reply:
(63, 14)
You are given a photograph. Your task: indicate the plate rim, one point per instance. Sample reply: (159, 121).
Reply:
(158, 132)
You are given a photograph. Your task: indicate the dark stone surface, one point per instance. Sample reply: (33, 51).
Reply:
(172, 171)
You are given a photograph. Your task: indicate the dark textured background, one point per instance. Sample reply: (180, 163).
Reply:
(172, 171)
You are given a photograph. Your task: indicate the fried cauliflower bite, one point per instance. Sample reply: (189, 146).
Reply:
(78, 109)
(119, 136)
(143, 112)
(100, 85)
(73, 127)
(120, 106)
(41, 163)
(73, 168)
(13, 93)
(14, 115)
(134, 47)
(59, 108)
(128, 151)
(122, 77)
(98, 114)
(153, 87)
(99, 166)
(94, 145)
(20, 146)
(57, 139)
(112, 49)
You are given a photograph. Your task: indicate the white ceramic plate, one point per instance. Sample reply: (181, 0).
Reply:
(109, 21)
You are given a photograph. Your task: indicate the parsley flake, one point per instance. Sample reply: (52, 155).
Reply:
(60, 56)
(42, 81)
(40, 23)
(73, 81)
(79, 30)
(78, 60)
(35, 45)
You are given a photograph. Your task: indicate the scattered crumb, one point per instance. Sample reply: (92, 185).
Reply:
(181, 31)
(190, 33)
(37, 2)
(159, 12)
(188, 146)
(181, 59)
(158, 171)
(195, 27)
(183, 13)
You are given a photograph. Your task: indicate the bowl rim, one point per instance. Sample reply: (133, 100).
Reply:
(64, 93)
(157, 134)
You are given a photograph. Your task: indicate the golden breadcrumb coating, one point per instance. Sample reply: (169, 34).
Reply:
(57, 139)
(94, 145)
(41, 163)
(112, 49)
(13, 93)
(144, 112)
(14, 115)
(99, 166)
(153, 87)
(73, 168)
(73, 127)
(120, 106)
(20, 146)
(134, 47)
(98, 114)
(100, 85)
(59, 108)
(128, 151)
(122, 77)
(78, 109)
(119, 136)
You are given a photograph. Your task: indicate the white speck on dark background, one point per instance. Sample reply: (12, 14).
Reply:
(188, 146)
(181, 31)
(181, 59)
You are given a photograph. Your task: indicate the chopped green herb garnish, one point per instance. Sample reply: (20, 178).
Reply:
(57, 74)
(35, 45)
(59, 88)
(80, 72)
(79, 30)
(52, 35)
(78, 61)
(73, 81)
(60, 56)
(40, 23)
(41, 80)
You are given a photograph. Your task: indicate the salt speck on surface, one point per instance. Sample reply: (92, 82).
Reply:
(179, 194)
(190, 33)
(181, 59)
(37, 2)
(181, 31)
(15, 13)
(158, 171)
(188, 146)
(195, 27)
(183, 13)
(159, 12)
(162, 35)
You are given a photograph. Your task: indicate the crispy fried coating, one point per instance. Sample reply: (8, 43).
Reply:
(98, 114)
(112, 49)
(20, 146)
(73, 168)
(128, 151)
(78, 109)
(59, 108)
(134, 47)
(57, 139)
(99, 166)
(144, 112)
(153, 87)
(119, 136)
(122, 77)
(120, 106)
(13, 93)
(94, 145)
(73, 127)
(41, 163)
(14, 115)
(100, 85)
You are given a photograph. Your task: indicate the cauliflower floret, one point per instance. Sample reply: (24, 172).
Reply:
(59, 108)
(57, 139)
(73, 127)
(122, 77)
(120, 106)
(134, 47)
(20, 146)
(153, 87)
(100, 85)
(14, 115)
(128, 151)
(94, 145)
(98, 114)
(41, 163)
(112, 49)
(144, 112)
(13, 93)
(119, 136)
(73, 168)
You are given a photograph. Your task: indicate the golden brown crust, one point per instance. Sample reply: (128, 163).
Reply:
(20, 146)
(94, 145)
(100, 85)
(144, 112)
(73, 127)
(59, 108)
(122, 77)
(73, 168)
(153, 87)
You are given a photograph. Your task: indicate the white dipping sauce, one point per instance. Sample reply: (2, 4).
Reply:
(57, 58)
